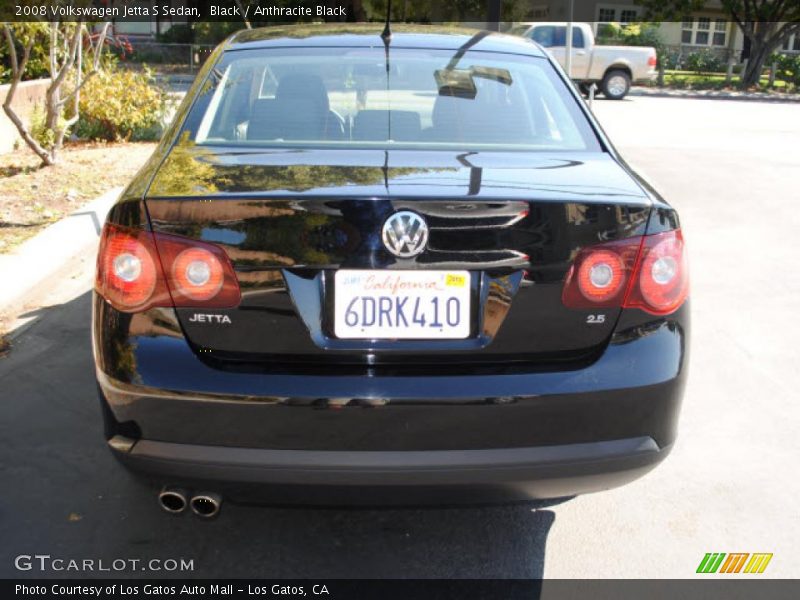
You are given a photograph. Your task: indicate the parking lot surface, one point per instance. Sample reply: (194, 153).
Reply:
(731, 169)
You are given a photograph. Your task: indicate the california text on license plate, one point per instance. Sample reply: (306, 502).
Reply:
(402, 304)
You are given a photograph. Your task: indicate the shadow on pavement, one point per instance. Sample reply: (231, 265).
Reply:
(64, 495)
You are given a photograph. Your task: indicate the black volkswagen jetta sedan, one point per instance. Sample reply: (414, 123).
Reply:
(363, 268)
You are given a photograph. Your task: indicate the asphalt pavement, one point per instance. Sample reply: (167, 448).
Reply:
(731, 168)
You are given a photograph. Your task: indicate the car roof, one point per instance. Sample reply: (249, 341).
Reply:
(367, 35)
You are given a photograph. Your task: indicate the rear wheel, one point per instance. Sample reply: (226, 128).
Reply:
(616, 84)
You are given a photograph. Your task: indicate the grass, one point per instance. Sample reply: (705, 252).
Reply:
(31, 196)
(715, 81)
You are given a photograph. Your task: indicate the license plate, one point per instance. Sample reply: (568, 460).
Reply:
(402, 304)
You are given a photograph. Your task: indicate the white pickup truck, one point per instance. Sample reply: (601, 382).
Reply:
(613, 68)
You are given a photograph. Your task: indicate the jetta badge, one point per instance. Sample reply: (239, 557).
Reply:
(405, 234)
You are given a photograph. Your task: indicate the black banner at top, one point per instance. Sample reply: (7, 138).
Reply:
(287, 11)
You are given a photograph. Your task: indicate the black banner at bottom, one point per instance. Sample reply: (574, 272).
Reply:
(406, 589)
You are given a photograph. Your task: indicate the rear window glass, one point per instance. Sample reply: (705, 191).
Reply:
(356, 97)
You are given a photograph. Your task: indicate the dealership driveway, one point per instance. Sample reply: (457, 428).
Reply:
(732, 169)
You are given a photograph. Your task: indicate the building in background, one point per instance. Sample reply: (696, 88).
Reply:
(145, 29)
(709, 28)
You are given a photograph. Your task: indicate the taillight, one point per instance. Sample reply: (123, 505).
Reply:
(652, 60)
(663, 276)
(128, 272)
(200, 274)
(599, 274)
(131, 278)
(197, 274)
(648, 272)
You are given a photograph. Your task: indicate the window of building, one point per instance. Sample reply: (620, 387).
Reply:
(720, 31)
(606, 15)
(613, 13)
(792, 43)
(701, 35)
(699, 32)
(686, 31)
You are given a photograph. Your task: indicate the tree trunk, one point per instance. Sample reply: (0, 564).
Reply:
(759, 52)
(761, 39)
(17, 70)
(26, 135)
(358, 12)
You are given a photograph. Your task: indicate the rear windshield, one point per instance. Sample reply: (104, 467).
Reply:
(416, 99)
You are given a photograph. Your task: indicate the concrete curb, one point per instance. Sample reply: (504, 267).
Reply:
(714, 95)
(41, 259)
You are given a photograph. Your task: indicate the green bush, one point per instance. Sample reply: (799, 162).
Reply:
(634, 34)
(671, 60)
(704, 61)
(39, 131)
(788, 67)
(119, 104)
(39, 61)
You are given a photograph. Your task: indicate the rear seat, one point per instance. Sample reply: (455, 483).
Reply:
(300, 111)
(373, 125)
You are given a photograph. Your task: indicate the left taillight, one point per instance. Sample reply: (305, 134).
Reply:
(128, 270)
(137, 270)
(652, 60)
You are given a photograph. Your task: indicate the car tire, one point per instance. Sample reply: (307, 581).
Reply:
(616, 84)
(584, 88)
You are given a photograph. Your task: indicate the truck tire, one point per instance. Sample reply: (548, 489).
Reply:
(616, 84)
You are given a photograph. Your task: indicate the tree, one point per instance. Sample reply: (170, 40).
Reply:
(766, 24)
(66, 42)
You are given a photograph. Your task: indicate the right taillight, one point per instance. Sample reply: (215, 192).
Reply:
(647, 272)
(130, 274)
(662, 276)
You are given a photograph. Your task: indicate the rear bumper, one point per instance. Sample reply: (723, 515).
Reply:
(490, 435)
(471, 476)
(646, 76)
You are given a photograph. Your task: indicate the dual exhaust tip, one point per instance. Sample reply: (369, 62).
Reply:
(176, 500)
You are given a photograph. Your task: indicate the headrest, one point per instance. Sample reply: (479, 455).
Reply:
(303, 87)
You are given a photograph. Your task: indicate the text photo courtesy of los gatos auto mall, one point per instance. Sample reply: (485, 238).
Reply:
(404, 299)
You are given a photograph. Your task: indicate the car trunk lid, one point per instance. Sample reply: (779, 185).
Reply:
(289, 219)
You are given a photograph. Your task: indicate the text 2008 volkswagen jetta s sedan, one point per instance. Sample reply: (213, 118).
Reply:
(388, 269)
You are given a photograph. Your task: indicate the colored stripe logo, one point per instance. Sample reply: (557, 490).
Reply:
(735, 562)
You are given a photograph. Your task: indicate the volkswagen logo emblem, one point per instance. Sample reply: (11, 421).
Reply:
(405, 234)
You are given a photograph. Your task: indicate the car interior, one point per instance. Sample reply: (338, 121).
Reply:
(297, 105)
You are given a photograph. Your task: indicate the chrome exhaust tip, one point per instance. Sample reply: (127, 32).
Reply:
(206, 505)
(173, 500)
